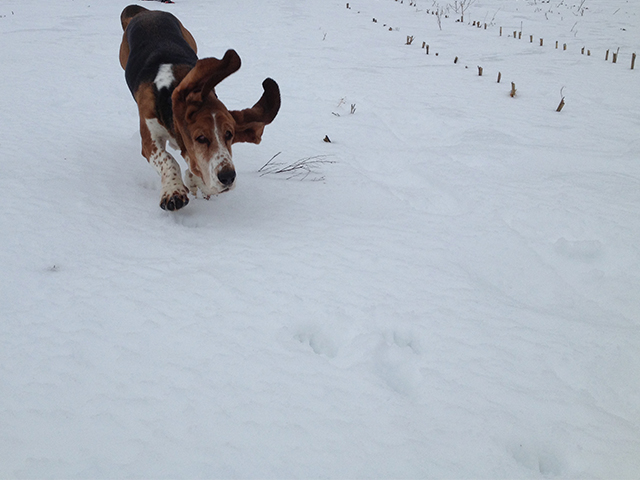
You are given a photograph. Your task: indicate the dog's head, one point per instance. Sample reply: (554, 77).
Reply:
(206, 129)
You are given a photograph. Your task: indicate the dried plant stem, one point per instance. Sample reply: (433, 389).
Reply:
(299, 169)
(561, 105)
(269, 162)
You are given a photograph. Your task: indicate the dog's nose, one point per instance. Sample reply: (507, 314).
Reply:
(227, 176)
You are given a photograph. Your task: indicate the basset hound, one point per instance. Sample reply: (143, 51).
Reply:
(177, 103)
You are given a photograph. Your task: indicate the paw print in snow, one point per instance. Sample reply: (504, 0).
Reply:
(319, 343)
(537, 458)
(397, 362)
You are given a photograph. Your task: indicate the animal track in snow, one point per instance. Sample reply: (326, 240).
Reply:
(396, 362)
(537, 459)
(319, 343)
(586, 250)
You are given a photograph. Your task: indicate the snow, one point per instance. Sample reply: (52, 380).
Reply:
(452, 292)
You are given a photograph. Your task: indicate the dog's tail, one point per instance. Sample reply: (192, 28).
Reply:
(128, 13)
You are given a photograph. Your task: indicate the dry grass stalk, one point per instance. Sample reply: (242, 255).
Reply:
(299, 169)
(561, 105)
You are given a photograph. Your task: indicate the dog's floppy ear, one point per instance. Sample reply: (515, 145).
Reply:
(207, 73)
(128, 13)
(250, 122)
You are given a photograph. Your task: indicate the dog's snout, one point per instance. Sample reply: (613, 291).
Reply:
(227, 176)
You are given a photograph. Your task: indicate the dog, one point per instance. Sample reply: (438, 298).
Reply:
(177, 103)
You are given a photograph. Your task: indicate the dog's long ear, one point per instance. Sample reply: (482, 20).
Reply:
(250, 122)
(128, 13)
(207, 73)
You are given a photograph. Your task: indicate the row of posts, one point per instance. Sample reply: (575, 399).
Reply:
(614, 57)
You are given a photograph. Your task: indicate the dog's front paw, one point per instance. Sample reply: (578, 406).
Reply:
(174, 200)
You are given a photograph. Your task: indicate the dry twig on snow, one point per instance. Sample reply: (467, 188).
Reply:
(299, 169)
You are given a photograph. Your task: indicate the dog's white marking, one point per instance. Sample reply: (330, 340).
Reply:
(158, 132)
(164, 77)
(222, 156)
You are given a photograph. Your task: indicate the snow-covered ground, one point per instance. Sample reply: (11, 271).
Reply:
(452, 292)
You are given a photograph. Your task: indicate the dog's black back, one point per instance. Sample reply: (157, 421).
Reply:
(154, 38)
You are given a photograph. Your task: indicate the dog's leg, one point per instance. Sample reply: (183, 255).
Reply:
(154, 140)
(193, 183)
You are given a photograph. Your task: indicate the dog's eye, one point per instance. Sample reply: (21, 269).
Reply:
(203, 140)
(228, 136)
